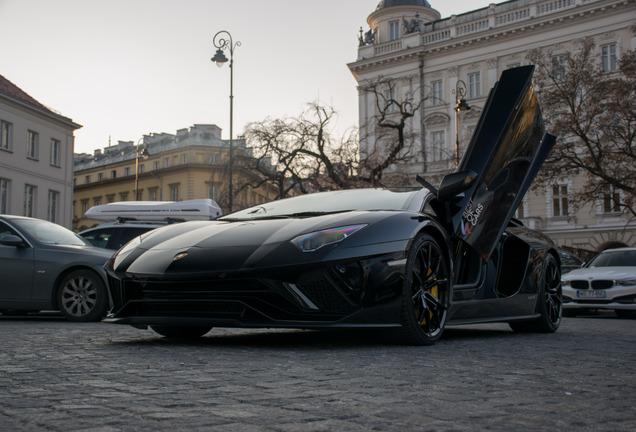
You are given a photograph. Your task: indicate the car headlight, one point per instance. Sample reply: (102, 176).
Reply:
(315, 240)
(627, 282)
(565, 283)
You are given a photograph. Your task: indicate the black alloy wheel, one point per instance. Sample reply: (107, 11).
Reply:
(181, 332)
(426, 292)
(82, 296)
(550, 302)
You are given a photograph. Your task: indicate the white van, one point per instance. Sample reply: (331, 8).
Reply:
(128, 219)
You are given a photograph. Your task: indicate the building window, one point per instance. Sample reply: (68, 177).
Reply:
(29, 200)
(152, 193)
(110, 198)
(155, 166)
(437, 93)
(611, 201)
(608, 58)
(123, 196)
(174, 192)
(97, 201)
(390, 100)
(4, 195)
(438, 142)
(113, 174)
(394, 30)
(32, 145)
(140, 169)
(127, 171)
(213, 192)
(51, 212)
(6, 130)
(183, 159)
(214, 158)
(87, 179)
(84, 204)
(166, 162)
(474, 85)
(55, 152)
(100, 176)
(558, 68)
(560, 204)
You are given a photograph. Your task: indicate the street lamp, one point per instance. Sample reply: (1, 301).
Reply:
(139, 153)
(223, 41)
(460, 105)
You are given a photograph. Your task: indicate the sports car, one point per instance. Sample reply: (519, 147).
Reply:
(412, 261)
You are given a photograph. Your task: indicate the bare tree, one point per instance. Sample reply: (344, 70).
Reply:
(592, 110)
(389, 140)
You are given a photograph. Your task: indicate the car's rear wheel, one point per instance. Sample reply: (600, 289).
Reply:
(81, 296)
(179, 332)
(550, 304)
(425, 293)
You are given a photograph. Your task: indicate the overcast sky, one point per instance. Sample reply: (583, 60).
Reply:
(124, 68)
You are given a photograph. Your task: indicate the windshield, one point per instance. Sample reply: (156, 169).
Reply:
(617, 258)
(327, 202)
(49, 233)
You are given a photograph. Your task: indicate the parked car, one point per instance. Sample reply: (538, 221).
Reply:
(607, 282)
(130, 219)
(569, 261)
(408, 261)
(45, 266)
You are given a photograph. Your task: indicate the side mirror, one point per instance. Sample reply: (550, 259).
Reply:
(12, 240)
(455, 183)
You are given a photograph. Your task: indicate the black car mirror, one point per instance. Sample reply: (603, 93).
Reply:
(455, 183)
(11, 240)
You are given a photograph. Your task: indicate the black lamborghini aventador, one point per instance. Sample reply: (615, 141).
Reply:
(414, 261)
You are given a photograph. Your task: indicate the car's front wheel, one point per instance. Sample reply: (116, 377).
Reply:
(426, 292)
(550, 304)
(82, 296)
(179, 332)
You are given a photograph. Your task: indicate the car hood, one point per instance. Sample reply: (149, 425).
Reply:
(222, 246)
(598, 273)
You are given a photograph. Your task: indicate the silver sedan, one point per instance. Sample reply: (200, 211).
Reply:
(45, 266)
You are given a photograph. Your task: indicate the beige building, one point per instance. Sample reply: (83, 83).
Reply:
(36, 158)
(164, 167)
(437, 60)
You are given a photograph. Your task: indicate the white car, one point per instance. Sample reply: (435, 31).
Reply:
(608, 282)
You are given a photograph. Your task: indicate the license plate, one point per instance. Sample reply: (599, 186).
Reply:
(591, 294)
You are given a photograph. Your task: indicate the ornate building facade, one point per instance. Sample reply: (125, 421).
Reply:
(192, 164)
(437, 62)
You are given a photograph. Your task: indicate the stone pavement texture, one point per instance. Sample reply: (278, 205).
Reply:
(60, 376)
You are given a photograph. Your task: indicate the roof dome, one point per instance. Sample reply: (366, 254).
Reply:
(388, 3)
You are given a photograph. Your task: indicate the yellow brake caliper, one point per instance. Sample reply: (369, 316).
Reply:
(433, 292)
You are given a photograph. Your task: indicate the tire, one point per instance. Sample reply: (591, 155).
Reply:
(81, 296)
(621, 313)
(426, 292)
(549, 304)
(181, 332)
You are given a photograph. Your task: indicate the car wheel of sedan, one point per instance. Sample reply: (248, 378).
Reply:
(181, 332)
(81, 296)
(550, 305)
(426, 292)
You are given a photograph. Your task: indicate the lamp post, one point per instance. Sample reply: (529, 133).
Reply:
(223, 41)
(143, 153)
(460, 105)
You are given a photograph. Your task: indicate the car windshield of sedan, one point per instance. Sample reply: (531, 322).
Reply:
(49, 233)
(614, 259)
(327, 202)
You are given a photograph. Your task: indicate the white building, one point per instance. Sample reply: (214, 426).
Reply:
(36, 158)
(431, 58)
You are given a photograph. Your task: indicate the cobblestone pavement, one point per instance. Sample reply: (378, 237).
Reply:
(60, 376)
